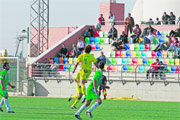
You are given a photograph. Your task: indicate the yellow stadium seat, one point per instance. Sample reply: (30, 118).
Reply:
(177, 62)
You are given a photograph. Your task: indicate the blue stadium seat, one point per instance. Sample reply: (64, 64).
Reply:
(161, 40)
(126, 47)
(66, 67)
(56, 59)
(128, 54)
(159, 54)
(125, 68)
(92, 40)
(65, 60)
(173, 68)
(145, 61)
(124, 61)
(159, 34)
(98, 47)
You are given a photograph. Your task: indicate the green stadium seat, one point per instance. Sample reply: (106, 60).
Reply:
(138, 53)
(152, 46)
(87, 40)
(136, 47)
(130, 68)
(105, 33)
(113, 54)
(171, 61)
(170, 54)
(129, 61)
(150, 61)
(101, 40)
(155, 40)
(113, 60)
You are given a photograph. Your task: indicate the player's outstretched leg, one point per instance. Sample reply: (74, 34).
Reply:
(8, 106)
(97, 103)
(1, 104)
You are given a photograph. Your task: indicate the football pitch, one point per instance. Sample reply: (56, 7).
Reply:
(43, 108)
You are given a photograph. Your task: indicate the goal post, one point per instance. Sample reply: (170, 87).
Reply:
(14, 75)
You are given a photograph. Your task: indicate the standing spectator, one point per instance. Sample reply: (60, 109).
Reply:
(165, 18)
(74, 51)
(111, 19)
(175, 33)
(123, 37)
(157, 22)
(80, 46)
(90, 30)
(112, 33)
(153, 69)
(101, 58)
(137, 33)
(172, 18)
(129, 22)
(101, 19)
(63, 52)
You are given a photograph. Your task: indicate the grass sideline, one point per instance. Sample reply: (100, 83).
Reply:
(43, 108)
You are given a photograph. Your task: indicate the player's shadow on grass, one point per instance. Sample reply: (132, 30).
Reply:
(40, 90)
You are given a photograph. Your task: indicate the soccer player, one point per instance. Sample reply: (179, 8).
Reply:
(92, 92)
(4, 82)
(82, 76)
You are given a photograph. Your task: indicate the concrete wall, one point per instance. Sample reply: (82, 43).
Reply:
(144, 91)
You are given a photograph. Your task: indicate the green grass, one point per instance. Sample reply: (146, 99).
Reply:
(37, 108)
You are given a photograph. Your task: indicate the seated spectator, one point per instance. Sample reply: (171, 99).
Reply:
(112, 33)
(161, 70)
(52, 68)
(172, 18)
(178, 20)
(175, 33)
(147, 30)
(123, 37)
(91, 31)
(137, 33)
(165, 18)
(74, 52)
(177, 53)
(157, 22)
(101, 19)
(150, 22)
(118, 45)
(80, 46)
(111, 19)
(101, 58)
(86, 33)
(175, 45)
(148, 39)
(153, 69)
(63, 52)
(163, 46)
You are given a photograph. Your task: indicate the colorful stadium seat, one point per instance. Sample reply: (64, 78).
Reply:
(134, 61)
(129, 61)
(71, 67)
(125, 68)
(166, 61)
(142, 47)
(74, 60)
(124, 61)
(108, 54)
(105, 33)
(148, 53)
(166, 39)
(65, 60)
(92, 40)
(61, 67)
(115, 68)
(164, 54)
(98, 47)
(133, 54)
(70, 60)
(170, 54)
(119, 61)
(101, 34)
(126, 46)
(147, 47)
(106, 40)
(155, 40)
(118, 54)
(178, 69)
(146, 68)
(128, 54)
(130, 68)
(139, 61)
(145, 61)
(159, 34)
(138, 53)
(141, 68)
(123, 53)
(110, 67)
(173, 68)
(56, 59)
(136, 47)
(101, 40)
(143, 54)
(108, 61)
(153, 54)
(169, 68)
(171, 61)
(113, 60)
(152, 47)
(66, 67)
(87, 41)
(93, 47)
(97, 40)
(150, 61)
(113, 54)
(131, 46)
(159, 54)
(161, 40)
(177, 61)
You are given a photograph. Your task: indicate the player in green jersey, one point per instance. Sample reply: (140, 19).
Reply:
(4, 82)
(92, 92)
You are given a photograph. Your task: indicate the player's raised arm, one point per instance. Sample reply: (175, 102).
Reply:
(12, 86)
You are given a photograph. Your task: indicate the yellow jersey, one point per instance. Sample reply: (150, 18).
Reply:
(86, 60)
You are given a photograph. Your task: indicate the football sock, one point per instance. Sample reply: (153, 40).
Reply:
(2, 102)
(80, 109)
(74, 96)
(93, 107)
(7, 105)
(75, 102)
(83, 89)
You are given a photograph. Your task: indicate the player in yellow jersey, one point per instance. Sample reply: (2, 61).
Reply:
(82, 76)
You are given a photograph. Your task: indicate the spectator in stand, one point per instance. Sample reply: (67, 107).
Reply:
(165, 18)
(153, 69)
(74, 51)
(175, 45)
(80, 45)
(162, 70)
(172, 18)
(118, 44)
(157, 22)
(137, 33)
(112, 34)
(111, 19)
(63, 52)
(101, 58)
(91, 32)
(101, 19)
(163, 46)
(147, 30)
(150, 22)
(175, 33)
(86, 33)
(178, 20)
(129, 22)
(52, 68)
(124, 38)
(148, 39)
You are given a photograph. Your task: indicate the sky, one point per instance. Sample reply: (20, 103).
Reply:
(15, 16)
